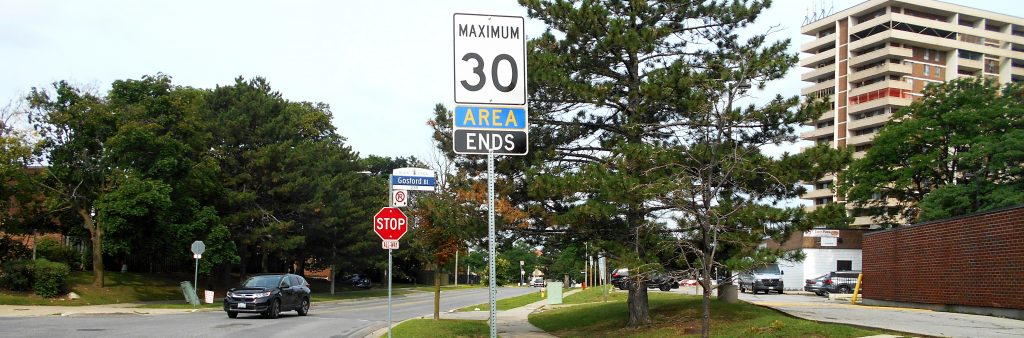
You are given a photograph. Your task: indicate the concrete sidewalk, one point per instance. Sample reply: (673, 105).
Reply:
(57, 310)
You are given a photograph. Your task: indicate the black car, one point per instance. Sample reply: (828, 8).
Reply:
(358, 280)
(655, 280)
(268, 295)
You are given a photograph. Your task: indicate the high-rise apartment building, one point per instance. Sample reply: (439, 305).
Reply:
(876, 57)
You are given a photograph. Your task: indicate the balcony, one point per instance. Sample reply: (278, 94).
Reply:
(969, 64)
(826, 116)
(818, 86)
(922, 40)
(882, 53)
(884, 69)
(871, 23)
(869, 122)
(814, 59)
(816, 133)
(813, 45)
(879, 103)
(862, 221)
(880, 85)
(1016, 71)
(817, 193)
(814, 74)
(859, 155)
(860, 140)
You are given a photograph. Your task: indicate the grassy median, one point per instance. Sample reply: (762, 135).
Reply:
(507, 303)
(447, 328)
(675, 315)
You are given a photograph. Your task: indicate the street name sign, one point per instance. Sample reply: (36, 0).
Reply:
(418, 183)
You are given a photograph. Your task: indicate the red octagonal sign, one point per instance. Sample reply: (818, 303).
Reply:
(390, 223)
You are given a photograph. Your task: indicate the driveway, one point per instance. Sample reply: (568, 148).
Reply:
(917, 321)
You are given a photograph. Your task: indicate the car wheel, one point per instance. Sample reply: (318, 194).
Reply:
(665, 288)
(274, 309)
(304, 308)
(232, 314)
(780, 292)
(845, 289)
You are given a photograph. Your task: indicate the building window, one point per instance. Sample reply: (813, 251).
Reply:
(927, 54)
(822, 200)
(823, 185)
(927, 70)
(844, 265)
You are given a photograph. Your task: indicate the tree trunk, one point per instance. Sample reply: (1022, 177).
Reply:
(639, 314)
(705, 320)
(96, 235)
(97, 255)
(264, 260)
(244, 262)
(437, 292)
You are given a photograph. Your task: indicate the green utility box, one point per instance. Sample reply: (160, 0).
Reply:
(190, 293)
(554, 293)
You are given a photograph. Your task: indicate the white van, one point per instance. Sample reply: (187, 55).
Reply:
(766, 278)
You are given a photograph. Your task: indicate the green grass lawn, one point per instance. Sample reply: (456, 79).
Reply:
(119, 288)
(595, 294)
(675, 315)
(447, 328)
(430, 288)
(326, 296)
(507, 303)
(162, 291)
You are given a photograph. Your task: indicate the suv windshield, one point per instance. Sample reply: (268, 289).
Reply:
(770, 269)
(262, 281)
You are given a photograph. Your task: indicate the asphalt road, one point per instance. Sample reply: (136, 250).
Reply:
(332, 319)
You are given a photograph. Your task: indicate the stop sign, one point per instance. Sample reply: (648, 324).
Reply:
(390, 223)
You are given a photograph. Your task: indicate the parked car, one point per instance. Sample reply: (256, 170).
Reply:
(268, 295)
(816, 284)
(655, 280)
(620, 278)
(538, 282)
(766, 278)
(840, 282)
(358, 280)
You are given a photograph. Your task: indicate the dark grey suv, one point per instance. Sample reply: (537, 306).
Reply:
(268, 295)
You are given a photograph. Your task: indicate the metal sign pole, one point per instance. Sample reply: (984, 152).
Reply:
(195, 280)
(490, 243)
(389, 293)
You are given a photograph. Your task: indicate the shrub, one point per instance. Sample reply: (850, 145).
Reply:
(11, 249)
(54, 251)
(50, 279)
(18, 275)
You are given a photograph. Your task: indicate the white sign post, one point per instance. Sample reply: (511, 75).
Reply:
(197, 252)
(490, 82)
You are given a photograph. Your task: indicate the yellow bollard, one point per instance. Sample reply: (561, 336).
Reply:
(856, 289)
(542, 292)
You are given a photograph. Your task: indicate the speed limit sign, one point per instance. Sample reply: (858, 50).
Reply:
(490, 59)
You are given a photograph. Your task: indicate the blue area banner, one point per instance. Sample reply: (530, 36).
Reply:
(483, 117)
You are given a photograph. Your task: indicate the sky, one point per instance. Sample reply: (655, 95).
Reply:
(380, 65)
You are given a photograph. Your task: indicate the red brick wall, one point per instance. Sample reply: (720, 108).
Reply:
(975, 261)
